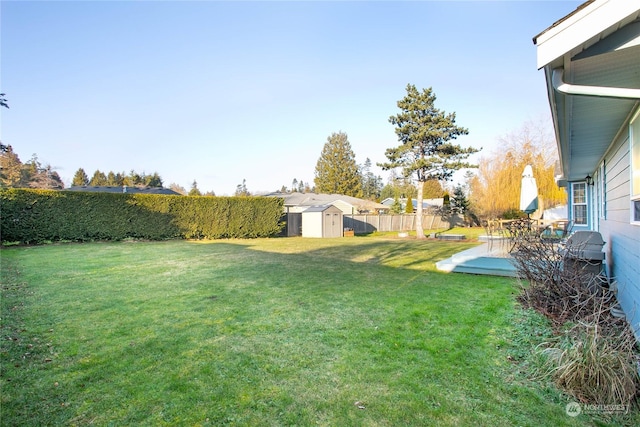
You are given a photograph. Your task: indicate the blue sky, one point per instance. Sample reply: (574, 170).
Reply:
(218, 92)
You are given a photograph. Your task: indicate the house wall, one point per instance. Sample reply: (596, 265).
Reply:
(345, 207)
(622, 238)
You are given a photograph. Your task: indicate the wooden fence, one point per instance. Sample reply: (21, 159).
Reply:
(370, 223)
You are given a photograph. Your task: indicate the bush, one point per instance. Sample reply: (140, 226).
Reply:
(558, 287)
(35, 216)
(512, 214)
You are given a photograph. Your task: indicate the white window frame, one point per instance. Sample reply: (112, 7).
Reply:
(634, 154)
(575, 185)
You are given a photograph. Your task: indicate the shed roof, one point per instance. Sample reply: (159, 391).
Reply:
(320, 208)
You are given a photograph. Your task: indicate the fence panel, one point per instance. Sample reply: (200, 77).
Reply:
(363, 223)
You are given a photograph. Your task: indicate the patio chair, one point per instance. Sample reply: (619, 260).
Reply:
(493, 231)
(488, 232)
(558, 234)
(500, 232)
(520, 231)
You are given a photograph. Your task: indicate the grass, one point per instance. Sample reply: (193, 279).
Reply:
(354, 331)
(470, 233)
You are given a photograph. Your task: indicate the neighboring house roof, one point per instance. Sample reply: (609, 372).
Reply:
(590, 60)
(347, 204)
(124, 189)
(426, 203)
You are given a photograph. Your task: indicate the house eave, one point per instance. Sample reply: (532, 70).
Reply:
(589, 23)
(598, 49)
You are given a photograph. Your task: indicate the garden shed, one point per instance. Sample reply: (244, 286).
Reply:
(322, 221)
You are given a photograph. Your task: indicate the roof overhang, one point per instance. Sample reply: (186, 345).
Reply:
(591, 60)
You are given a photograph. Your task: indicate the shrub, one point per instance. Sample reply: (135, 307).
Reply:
(558, 287)
(35, 216)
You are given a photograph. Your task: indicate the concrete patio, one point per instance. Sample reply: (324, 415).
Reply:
(490, 258)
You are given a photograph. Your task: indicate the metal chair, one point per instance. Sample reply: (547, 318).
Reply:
(488, 231)
(493, 231)
(558, 234)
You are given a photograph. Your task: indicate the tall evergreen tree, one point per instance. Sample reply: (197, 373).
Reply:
(371, 184)
(3, 103)
(241, 189)
(194, 189)
(111, 179)
(80, 178)
(10, 168)
(98, 179)
(425, 151)
(409, 208)
(336, 170)
(153, 180)
(459, 202)
(396, 207)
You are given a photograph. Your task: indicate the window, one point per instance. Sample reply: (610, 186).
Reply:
(579, 203)
(634, 137)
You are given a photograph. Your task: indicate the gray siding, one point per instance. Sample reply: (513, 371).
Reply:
(623, 238)
(617, 175)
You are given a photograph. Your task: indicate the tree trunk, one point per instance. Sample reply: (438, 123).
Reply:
(419, 228)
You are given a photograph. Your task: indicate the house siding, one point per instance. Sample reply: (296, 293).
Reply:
(622, 238)
(618, 185)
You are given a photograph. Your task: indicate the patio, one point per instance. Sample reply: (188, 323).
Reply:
(490, 258)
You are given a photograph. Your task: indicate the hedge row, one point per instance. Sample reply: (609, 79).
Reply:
(35, 216)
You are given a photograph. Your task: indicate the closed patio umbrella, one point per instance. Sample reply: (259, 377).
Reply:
(528, 192)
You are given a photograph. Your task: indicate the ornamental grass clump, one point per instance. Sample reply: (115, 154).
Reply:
(596, 366)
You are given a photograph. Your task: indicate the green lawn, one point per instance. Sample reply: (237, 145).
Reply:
(335, 332)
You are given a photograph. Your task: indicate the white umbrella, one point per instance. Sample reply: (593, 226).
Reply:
(528, 192)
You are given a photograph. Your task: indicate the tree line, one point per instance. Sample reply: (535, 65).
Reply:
(118, 179)
(419, 167)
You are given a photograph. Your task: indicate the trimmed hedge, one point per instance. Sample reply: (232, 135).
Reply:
(36, 216)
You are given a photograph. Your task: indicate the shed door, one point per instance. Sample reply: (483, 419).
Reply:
(332, 225)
